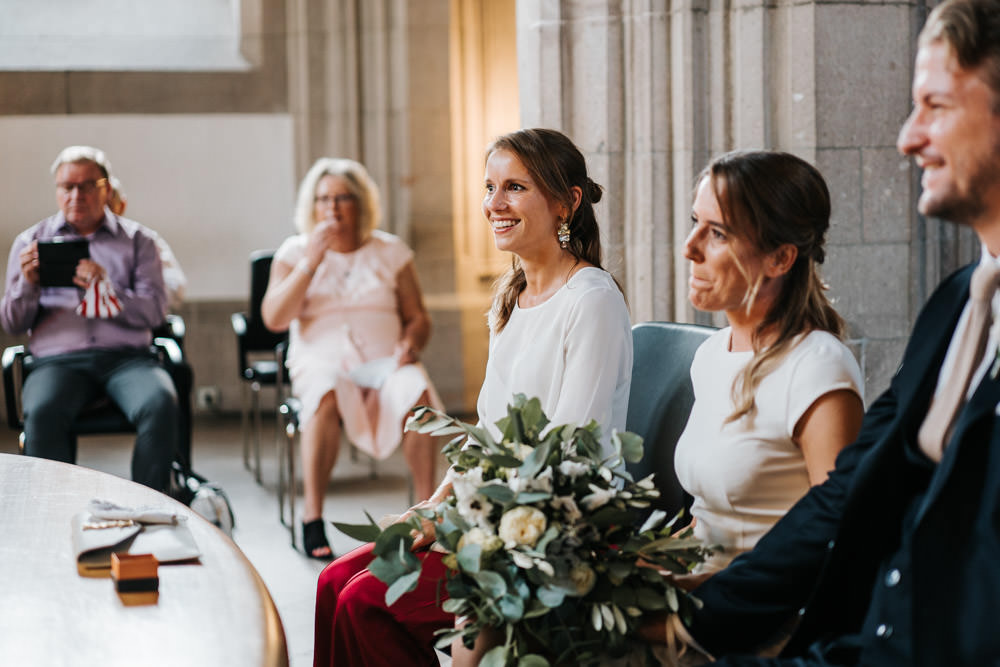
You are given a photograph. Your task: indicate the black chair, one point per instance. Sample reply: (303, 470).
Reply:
(660, 401)
(257, 365)
(103, 416)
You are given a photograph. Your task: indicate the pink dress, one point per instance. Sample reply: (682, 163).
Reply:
(351, 316)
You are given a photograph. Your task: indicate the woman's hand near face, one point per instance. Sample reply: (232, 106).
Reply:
(286, 288)
(319, 241)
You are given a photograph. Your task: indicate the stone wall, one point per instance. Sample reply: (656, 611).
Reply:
(651, 90)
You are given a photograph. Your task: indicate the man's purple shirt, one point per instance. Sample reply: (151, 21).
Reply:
(128, 253)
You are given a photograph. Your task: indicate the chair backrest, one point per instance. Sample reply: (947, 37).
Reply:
(258, 337)
(660, 400)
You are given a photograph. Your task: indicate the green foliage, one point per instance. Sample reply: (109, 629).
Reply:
(547, 539)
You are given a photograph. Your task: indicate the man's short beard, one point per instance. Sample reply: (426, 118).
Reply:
(966, 209)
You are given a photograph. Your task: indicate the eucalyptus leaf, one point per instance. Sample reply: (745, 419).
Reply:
(512, 608)
(388, 570)
(504, 460)
(631, 445)
(446, 638)
(491, 583)
(532, 660)
(650, 600)
(495, 657)
(401, 586)
(432, 425)
(452, 606)
(482, 436)
(535, 461)
(468, 558)
(528, 497)
(550, 534)
(498, 492)
(550, 596)
(533, 418)
(363, 532)
(589, 440)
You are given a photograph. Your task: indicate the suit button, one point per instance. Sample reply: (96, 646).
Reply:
(830, 545)
(883, 631)
(892, 577)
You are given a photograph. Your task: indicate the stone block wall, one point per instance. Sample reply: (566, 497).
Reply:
(651, 89)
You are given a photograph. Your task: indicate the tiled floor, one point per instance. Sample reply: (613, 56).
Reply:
(289, 575)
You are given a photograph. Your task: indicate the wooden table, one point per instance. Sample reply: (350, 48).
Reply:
(215, 611)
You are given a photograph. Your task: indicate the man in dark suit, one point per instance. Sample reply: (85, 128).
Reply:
(895, 560)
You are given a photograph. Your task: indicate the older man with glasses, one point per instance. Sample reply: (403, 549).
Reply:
(90, 329)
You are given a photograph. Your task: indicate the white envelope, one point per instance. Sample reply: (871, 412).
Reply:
(373, 374)
(168, 542)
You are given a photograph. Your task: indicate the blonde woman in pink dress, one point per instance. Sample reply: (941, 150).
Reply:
(348, 294)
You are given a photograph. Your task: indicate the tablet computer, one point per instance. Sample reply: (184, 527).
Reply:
(57, 260)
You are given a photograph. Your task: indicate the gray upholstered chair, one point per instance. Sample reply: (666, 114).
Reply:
(660, 400)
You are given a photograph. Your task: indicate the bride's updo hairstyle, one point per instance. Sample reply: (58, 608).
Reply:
(556, 166)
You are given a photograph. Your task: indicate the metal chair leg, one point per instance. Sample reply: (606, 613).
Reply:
(291, 483)
(286, 467)
(245, 424)
(279, 450)
(258, 426)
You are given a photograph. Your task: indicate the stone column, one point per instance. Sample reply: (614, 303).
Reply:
(651, 89)
(368, 80)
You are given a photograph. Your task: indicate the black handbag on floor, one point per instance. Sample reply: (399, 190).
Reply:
(204, 497)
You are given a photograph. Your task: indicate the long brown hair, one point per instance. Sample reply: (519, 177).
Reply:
(771, 199)
(556, 166)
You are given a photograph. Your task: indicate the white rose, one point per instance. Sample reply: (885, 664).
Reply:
(583, 578)
(487, 541)
(522, 525)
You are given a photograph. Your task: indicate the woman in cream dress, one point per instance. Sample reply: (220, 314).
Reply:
(777, 394)
(349, 295)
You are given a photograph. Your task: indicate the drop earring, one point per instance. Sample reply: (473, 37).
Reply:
(563, 233)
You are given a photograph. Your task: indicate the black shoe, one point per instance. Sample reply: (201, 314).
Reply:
(314, 541)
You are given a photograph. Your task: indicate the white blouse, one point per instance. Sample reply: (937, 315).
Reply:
(573, 352)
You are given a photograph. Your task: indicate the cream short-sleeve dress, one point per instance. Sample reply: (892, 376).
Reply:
(351, 316)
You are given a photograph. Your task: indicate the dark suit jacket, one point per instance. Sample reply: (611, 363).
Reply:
(819, 562)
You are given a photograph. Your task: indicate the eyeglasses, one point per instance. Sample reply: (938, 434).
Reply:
(341, 200)
(85, 187)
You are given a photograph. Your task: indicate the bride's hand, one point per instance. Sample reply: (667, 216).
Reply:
(425, 536)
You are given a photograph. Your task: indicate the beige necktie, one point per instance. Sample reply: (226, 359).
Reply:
(936, 429)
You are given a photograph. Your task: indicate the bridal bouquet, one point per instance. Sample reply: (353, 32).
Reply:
(546, 541)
